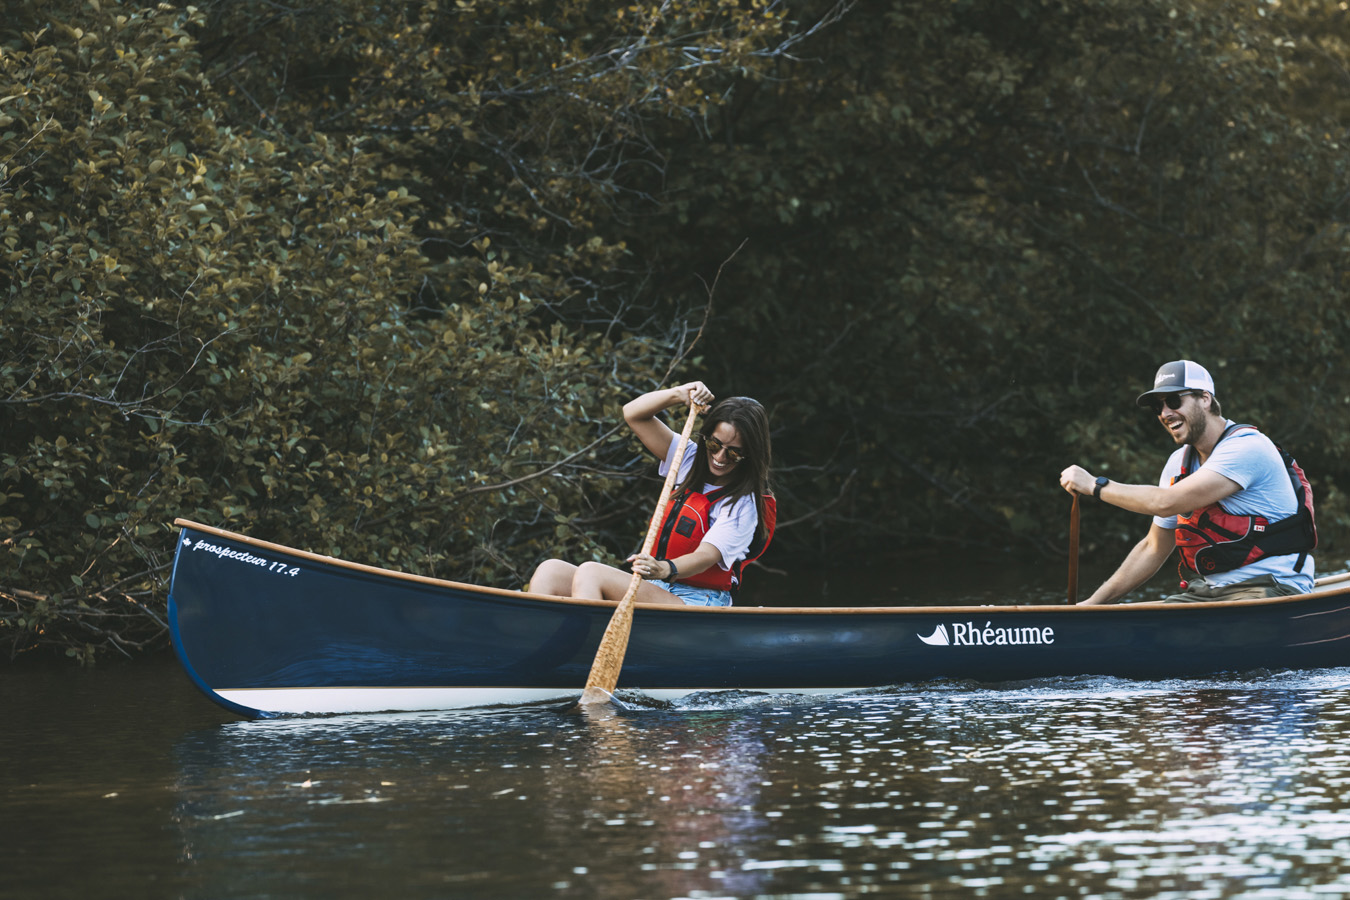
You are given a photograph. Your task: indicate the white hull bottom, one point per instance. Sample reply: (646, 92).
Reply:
(340, 700)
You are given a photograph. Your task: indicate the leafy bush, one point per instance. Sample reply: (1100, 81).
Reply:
(373, 278)
(351, 326)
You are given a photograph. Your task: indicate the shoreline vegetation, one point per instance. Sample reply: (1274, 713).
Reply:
(374, 279)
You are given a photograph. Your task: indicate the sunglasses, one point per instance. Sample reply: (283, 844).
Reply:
(1172, 400)
(715, 446)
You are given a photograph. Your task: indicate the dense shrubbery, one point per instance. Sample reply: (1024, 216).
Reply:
(977, 229)
(326, 278)
(372, 279)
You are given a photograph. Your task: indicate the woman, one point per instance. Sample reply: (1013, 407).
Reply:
(720, 516)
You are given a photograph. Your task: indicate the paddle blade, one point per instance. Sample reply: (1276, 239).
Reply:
(604, 676)
(594, 696)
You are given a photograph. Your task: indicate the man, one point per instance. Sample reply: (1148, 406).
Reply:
(1219, 501)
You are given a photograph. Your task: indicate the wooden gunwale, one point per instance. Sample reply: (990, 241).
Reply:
(1124, 608)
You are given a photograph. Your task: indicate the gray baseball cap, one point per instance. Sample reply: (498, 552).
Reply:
(1180, 375)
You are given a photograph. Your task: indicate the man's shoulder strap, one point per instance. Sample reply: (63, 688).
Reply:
(1234, 428)
(1189, 461)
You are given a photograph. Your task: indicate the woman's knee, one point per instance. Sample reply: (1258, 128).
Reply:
(591, 572)
(593, 580)
(553, 576)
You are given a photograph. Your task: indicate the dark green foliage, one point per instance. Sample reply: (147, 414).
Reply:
(372, 279)
(975, 230)
(316, 275)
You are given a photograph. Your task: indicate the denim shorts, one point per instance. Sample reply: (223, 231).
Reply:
(697, 596)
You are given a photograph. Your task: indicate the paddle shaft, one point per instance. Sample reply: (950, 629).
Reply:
(604, 676)
(1073, 552)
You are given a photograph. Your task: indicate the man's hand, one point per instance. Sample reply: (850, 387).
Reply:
(1077, 480)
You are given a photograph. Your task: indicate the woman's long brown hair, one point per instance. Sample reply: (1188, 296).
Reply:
(751, 474)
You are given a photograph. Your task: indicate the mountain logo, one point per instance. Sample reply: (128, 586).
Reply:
(938, 638)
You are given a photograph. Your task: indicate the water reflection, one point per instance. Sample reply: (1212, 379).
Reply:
(515, 801)
(1091, 787)
(1082, 795)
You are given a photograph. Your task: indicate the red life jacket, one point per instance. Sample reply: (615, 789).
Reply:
(687, 523)
(1211, 540)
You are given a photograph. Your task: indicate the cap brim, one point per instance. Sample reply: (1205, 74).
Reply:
(1142, 399)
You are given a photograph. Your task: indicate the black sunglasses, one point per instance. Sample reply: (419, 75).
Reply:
(1172, 400)
(716, 446)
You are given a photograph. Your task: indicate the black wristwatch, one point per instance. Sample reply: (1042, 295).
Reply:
(673, 571)
(1102, 481)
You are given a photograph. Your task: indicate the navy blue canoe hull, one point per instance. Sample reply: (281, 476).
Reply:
(267, 630)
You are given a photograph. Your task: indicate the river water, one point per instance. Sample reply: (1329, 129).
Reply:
(124, 781)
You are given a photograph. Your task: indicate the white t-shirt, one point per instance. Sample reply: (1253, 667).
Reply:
(1250, 459)
(731, 526)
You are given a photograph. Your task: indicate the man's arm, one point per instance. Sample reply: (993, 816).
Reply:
(1142, 563)
(1204, 488)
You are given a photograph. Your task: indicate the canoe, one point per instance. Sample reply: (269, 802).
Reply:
(266, 631)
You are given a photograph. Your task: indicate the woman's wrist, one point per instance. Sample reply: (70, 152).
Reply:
(673, 573)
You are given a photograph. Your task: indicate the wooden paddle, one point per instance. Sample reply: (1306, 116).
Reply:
(614, 643)
(1073, 552)
(1332, 579)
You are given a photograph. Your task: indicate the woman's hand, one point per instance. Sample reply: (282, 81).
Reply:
(695, 392)
(649, 567)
